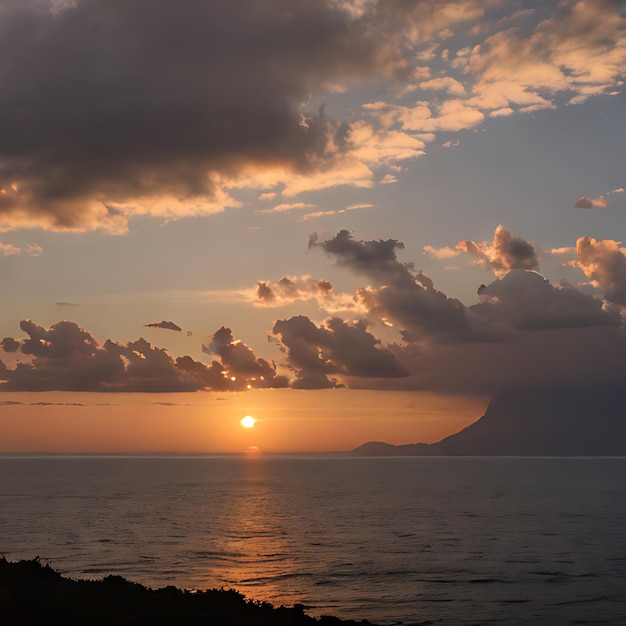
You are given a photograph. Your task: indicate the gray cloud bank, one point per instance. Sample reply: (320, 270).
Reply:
(66, 357)
(398, 332)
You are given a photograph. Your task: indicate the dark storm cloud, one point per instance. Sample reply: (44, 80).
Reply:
(118, 102)
(317, 354)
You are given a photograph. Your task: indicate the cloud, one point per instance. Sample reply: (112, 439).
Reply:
(291, 288)
(7, 249)
(401, 294)
(150, 107)
(241, 363)
(164, 324)
(577, 51)
(285, 207)
(446, 83)
(159, 108)
(525, 300)
(9, 344)
(587, 203)
(441, 253)
(600, 202)
(604, 262)
(388, 179)
(523, 330)
(68, 358)
(319, 353)
(504, 254)
(353, 207)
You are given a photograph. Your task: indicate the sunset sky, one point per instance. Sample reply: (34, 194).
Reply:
(351, 219)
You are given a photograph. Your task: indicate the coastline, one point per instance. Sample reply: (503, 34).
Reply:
(34, 593)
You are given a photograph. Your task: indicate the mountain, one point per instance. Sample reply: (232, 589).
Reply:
(561, 421)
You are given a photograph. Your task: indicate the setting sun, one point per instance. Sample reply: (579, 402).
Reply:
(248, 421)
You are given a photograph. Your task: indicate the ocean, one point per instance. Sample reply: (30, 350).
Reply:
(390, 540)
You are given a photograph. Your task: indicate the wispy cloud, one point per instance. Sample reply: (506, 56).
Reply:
(287, 207)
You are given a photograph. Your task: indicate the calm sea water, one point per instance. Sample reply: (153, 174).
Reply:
(450, 540)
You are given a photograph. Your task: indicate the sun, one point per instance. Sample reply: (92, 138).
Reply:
(248, 421)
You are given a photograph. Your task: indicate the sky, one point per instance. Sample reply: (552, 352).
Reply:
(352, 220)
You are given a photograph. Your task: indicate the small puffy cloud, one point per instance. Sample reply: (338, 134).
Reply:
(588, 203)
(505, 253)
(424, 117)
(318, 354)
(32, 249)
(164, 324)
(268, 195)
(503, 112)
(7, 249)
(388, 179)
(600, 202)
(291, 288)
(441, 253)
(446, 83)
(604, 262)
(9, 344)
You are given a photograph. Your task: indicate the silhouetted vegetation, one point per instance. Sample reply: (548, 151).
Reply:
(34, 593)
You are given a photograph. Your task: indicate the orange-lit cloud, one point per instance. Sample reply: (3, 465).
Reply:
(604, 262)
(176, 146)
(441, 253)
(505, 253)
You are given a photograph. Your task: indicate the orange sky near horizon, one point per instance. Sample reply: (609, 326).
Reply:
(287, 421)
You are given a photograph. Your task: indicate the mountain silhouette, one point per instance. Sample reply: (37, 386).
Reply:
(555, 421)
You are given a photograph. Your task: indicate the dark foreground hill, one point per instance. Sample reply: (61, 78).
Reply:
(35, 594)
(564, 421)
